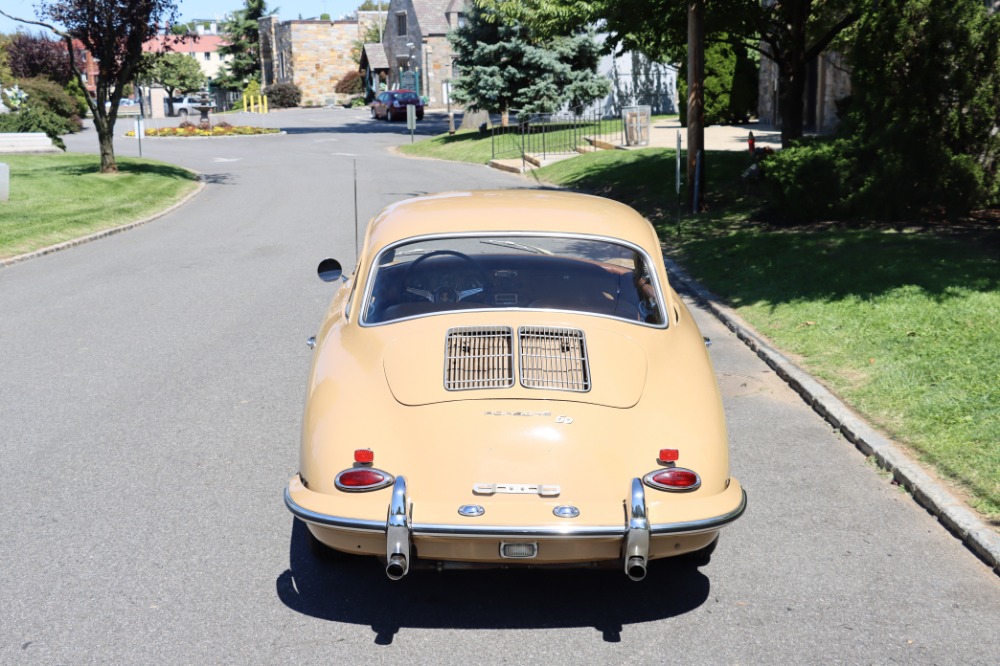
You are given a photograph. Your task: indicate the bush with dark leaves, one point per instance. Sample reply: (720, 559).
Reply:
(283, 95)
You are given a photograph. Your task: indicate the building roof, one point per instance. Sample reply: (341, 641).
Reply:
(375, 53)
(432, 15)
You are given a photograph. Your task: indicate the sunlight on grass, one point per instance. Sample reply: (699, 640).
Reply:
(54, 198)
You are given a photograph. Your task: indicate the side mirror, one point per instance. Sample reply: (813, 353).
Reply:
(329, 270)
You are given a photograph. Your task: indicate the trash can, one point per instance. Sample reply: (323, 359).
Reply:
(636, 122)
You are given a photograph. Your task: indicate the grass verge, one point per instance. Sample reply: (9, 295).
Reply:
(55, 198)
(902, 322)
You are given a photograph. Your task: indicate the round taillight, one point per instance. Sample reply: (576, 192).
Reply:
(361, 480)
(676, 479)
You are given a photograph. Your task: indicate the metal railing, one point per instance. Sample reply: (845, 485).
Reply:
(542, 135)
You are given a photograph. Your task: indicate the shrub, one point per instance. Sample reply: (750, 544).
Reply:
(811, 180)
(283, 95)
(49, 95)
(351, 84)
(35, 119)
(252, 89)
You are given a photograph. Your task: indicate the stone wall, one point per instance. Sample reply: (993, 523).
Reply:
(829, 80)
(314, 55)
(437, 69)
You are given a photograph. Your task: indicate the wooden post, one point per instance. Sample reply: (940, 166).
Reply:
(696, 103)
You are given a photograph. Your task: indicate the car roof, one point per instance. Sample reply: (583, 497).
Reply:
(518, 211)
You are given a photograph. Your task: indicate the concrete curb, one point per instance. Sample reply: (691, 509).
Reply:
(961, 521)
(10, 261)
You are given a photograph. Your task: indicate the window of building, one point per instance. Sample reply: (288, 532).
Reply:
(208, 55)
(401, 24)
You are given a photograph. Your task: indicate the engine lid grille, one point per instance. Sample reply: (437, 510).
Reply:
(478, 357)
(554, 358)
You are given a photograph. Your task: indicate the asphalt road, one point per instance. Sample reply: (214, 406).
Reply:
(150, 396)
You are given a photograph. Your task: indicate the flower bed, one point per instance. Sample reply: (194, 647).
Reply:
(204, 129)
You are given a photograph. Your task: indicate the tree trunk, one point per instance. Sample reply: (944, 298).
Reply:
(792, 66)
(696, 104)
(791, 93)
(105, 126)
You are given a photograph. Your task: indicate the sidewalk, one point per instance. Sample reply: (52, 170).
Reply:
(717, 137)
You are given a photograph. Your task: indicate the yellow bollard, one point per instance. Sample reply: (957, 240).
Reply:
(265, 103)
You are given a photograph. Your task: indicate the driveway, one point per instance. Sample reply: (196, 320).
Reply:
(151, 391)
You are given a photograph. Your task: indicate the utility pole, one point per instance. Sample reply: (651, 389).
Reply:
(696, 104)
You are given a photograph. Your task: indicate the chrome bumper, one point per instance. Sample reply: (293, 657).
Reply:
(400, 530)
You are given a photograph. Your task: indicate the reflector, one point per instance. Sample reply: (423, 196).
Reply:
(364, 455)
(669, 455)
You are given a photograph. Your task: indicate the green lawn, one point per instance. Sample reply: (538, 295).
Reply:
(54, 198)
(472, 146)
(903, 322)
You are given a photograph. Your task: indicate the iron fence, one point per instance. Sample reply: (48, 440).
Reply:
(542, 135)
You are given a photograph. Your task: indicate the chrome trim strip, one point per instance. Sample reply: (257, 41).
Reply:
(704, 525)
(326, 520)
(483, 531)
(373, 267)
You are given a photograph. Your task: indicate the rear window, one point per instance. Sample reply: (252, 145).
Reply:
(408, 97)
(593, 276)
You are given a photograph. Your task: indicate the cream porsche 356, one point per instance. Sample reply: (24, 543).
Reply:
(508, 378)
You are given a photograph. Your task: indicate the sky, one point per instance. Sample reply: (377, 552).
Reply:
(203, 9)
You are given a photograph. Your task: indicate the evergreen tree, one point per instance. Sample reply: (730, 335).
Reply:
(243, 36)
(501, 65)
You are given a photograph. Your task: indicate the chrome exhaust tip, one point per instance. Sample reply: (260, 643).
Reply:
(396, 568)
(635, 568)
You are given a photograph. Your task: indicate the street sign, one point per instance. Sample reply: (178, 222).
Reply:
(411, 119)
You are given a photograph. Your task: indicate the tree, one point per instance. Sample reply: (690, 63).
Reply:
(923, 114)
(243, 35)
(373, 5)
(29, 56)
(113, 32)
(730, 84)
(173, 71)
(503, 65)
(790, 32)
(372, 35)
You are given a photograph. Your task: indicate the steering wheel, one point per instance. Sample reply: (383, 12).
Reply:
(444, 293)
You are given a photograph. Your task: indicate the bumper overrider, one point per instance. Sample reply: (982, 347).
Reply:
(633, 537)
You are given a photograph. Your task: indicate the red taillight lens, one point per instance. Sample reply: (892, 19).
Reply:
(364, 456)
(358, 480)
(669, 455)
(675, 479)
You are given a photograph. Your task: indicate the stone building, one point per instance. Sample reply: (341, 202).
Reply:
(417, 48)
(828, 80)
(314, 54)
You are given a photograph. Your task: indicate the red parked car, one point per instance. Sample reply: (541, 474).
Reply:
(392, 104)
